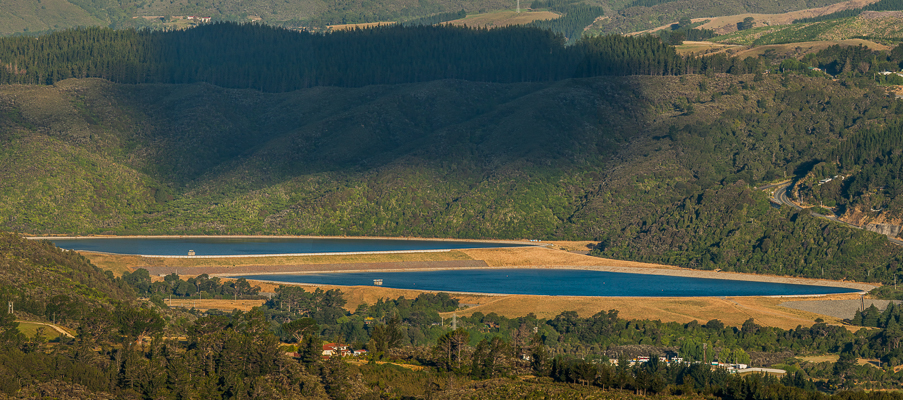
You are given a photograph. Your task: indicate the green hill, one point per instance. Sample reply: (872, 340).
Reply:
(45, 281)
(646, 14)
(873, 25)
(17, 16)
(589, 158)
(608, 158)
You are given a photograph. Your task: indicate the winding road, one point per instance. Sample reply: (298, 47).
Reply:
(779, 197)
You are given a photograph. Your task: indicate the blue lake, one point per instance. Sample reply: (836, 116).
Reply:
(259, 246)
(557, 283)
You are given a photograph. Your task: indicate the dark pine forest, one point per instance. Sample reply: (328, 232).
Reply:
(286, 60)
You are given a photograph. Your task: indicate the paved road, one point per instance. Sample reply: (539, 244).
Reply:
(780, 197)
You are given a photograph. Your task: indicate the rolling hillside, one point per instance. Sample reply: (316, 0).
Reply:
(651, 14)
(870, 24)
(17, 16)
(589, 158)
(515, 150)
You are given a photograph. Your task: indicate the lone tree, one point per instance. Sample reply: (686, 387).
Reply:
(748, 23)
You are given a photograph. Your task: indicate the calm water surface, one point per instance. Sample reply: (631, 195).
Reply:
(557, 283)
(258, 246)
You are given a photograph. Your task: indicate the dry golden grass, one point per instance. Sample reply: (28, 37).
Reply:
(571, 245)
(732, 311)
(727, 24)
(367, 25)
(690, 47)
(408, 366)
(868, 361)
(820, 359)
(534, 256)
(121, 263)
(499, 19)
(223, 305)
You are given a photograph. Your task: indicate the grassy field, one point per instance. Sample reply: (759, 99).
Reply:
(499, 19)
(818, 359)
(29, 329)
(224, 305)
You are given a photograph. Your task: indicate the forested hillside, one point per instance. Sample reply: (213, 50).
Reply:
(285, 60)
(615, 159)
(43, 280)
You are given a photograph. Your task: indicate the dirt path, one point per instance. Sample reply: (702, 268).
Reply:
(52, 326)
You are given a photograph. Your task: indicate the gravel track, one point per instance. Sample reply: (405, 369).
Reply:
(845, 309)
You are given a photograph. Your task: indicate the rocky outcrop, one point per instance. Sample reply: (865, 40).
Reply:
(879, 223)
(885, 229)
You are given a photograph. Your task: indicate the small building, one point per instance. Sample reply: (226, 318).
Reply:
(190, 252)
(333, 349)
(378, 282)
(360, 353)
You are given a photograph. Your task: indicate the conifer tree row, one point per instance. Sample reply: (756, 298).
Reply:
(277, 60)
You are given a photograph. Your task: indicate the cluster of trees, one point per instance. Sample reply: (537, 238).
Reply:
(881, 5)
(418, 318)
(735, 228)
(572, 23)
(684, 30)
(202, 286)
(872, 174)
(891, 317)
(856, 60)
(747, 23)
(276, 60)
